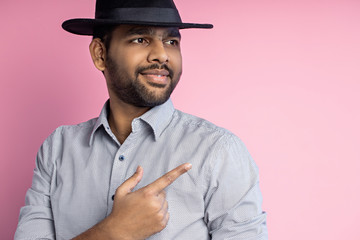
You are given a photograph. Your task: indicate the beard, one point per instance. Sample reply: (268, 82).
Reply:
(132, 91)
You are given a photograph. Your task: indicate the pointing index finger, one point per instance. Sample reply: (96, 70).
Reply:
(161, 183)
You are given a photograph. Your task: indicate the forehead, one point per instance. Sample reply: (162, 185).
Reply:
(135, 30)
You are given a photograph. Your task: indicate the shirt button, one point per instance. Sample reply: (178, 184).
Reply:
(121, 157)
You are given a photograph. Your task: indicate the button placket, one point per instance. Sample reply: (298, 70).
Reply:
(122, 159)
(117, 171)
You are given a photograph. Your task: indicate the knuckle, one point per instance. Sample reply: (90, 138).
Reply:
(155, 205)
(169, 179)
(162, 194)
(148, 193)
(163, 224)
(164, 221)
(159, 217)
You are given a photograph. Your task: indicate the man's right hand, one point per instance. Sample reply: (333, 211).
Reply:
(138, 214)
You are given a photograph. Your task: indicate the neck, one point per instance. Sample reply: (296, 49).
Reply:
(120, 117)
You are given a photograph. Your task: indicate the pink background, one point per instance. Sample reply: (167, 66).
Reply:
(283, 75)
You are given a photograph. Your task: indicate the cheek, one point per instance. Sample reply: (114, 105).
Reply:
(126, 60)
(177, 68)
(133, 58)
(176, 60)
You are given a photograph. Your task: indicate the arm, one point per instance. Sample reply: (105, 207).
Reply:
(36, 220)
(233, 201)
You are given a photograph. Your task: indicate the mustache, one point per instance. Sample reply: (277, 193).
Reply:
(155, 66)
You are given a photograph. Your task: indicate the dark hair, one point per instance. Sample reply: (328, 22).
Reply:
(105, 34)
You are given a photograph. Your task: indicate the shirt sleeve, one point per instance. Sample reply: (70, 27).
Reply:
(36, 219)
(233, 200)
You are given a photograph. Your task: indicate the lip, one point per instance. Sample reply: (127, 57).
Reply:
(158, 77)
(157, 72)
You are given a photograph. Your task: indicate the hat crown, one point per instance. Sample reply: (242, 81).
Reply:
(131, 10)
(111, 4)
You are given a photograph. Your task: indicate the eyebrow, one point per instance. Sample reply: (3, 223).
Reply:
(174, 32)
(171, 32)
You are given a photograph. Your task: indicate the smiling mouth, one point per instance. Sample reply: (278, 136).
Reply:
(156, 76)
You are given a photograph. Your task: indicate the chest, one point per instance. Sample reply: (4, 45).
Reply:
(84, 183)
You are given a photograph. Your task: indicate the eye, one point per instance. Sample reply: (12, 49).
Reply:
(172, 42)
(139, 40)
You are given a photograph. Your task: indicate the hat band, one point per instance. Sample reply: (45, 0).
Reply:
(161, 15)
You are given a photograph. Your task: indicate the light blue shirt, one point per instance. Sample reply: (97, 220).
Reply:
(79, 167)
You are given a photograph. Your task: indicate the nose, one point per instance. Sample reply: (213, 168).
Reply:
(158, 53)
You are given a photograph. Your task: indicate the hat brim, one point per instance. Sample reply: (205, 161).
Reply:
(85, 26)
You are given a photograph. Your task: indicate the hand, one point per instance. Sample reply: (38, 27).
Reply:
(140, 214)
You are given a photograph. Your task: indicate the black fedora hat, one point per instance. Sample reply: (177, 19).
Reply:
(162, 13)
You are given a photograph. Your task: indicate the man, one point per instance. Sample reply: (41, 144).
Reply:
(126, 174)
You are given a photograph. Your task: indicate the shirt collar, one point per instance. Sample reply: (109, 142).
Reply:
(101, 121)
(157, 118)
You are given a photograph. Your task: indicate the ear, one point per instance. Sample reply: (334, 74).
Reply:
(98, 53)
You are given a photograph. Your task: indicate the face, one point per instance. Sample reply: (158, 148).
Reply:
(143, 64)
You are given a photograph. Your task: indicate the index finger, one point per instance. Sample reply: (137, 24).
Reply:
(161, 183)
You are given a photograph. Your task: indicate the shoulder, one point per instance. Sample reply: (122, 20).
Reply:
(189, 120)
(62, 138)
(68, 134)
(76, 128)
(205, 136)
(199, 126)
(80, 128)
(215, 150)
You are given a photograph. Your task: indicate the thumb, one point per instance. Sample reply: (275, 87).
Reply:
(127, 186)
